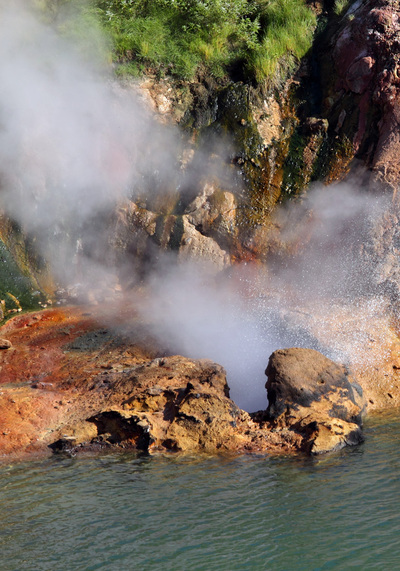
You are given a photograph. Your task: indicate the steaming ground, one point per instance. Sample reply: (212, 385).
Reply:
(326, 295)
(72, 145)
(238, 321)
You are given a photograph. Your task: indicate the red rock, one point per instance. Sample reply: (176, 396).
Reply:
(360, 74)
(143, 401)
(364, 52)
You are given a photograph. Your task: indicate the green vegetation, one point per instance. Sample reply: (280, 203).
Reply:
(340, 6)
(254, 40)
(80, 22)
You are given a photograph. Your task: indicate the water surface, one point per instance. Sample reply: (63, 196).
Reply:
(123, 512)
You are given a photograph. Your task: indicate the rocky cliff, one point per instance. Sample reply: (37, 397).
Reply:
(334, 118)
(245, 152)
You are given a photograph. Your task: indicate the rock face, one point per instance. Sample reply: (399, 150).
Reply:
(5, 344)
(341, 104)
(311, 395)
(203, 232)
(361, 98)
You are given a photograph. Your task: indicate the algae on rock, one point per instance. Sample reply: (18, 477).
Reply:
(25, 281)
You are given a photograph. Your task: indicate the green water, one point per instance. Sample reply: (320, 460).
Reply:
(125, 512)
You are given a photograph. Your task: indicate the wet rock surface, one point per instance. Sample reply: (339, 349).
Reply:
(313, 396)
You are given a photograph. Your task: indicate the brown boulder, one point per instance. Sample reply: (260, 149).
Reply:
(169, 403)
(178, 404)
(313, 396)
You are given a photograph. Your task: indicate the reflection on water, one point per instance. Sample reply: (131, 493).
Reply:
(339, 511)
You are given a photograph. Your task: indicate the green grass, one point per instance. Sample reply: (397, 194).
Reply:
(255, 40)
(288, 27)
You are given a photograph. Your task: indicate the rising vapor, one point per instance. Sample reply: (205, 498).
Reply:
(72, 142)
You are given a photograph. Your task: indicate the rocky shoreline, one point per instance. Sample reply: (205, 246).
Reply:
(98, 377)
(80, 379)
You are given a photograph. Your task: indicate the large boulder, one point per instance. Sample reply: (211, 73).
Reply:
(71, 382)
(172, 403)
(312, 396)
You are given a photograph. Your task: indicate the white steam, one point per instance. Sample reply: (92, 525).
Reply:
(323, 297)
(205, 317)
(72, 143)
(62, 138)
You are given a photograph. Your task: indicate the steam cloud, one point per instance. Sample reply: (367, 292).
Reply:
(241, 318)
(72, 144)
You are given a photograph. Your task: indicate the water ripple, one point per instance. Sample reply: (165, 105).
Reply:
(174, 513)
